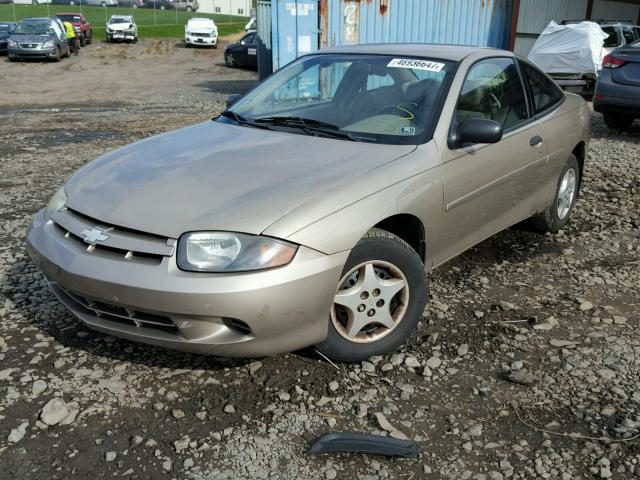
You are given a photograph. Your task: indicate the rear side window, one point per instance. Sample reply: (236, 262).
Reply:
(612, 40)
(544, 91)
(629, 37)
(493, 90)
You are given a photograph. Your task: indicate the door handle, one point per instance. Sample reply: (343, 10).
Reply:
(537, 140)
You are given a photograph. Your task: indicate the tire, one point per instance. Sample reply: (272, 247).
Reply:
(12, 58)
(135, 5)
(228, 59)
(618, 121)
(109, 39)
(89, 38)
(58, 56)
(379, 254)
(83, 40)
(189, 9)
(556, 216)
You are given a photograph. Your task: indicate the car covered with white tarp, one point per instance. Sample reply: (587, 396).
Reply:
(571, 54)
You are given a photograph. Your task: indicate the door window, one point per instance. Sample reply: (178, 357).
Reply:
(493, 90)
(628, 35)
(544, 91)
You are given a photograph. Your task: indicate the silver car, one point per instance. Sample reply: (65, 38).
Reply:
(311, 211)
(38, 38)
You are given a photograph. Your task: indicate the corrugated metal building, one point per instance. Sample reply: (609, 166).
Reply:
(292, 28)
(534, 15)
(226, 7)
(302, 26)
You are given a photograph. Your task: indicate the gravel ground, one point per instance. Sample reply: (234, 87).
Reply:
(526, 365)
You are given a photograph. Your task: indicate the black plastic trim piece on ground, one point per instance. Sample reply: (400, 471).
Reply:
(346, 442)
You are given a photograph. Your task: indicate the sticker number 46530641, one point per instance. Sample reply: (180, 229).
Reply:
(416, 64)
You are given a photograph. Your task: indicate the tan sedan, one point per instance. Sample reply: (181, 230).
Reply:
(311, 211)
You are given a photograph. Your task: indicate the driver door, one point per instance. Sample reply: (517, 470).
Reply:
(242, 52)
(489, 187)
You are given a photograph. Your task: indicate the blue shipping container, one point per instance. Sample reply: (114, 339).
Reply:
(303, 26)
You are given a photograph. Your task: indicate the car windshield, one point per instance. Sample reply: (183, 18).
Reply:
(34, 28)
(120, 20)
(370, 98)
(69, 18)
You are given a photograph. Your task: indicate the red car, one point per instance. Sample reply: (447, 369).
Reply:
(80, 25)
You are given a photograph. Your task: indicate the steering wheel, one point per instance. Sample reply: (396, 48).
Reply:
(385, 109)
(405, 113)
(494, 102)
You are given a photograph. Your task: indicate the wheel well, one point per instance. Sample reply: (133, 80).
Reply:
(409, 228)
(580, 152)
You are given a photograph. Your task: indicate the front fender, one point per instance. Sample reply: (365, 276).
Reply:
(419, 194)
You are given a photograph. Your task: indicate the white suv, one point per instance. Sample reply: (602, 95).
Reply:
(201, 31)
(122, 28)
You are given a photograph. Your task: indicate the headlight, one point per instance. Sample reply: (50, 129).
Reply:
(12, 43)
(48, 43)
(57, 201)
(231, 252)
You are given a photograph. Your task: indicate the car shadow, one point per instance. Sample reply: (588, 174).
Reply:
(227, 87)
(35, 302)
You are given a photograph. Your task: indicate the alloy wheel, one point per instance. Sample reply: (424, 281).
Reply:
(370, 302)
(566, 193)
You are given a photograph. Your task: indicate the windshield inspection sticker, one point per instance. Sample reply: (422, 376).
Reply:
(408, 130)
(414, 63)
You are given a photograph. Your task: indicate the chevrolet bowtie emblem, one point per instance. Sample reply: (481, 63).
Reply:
(94, 235)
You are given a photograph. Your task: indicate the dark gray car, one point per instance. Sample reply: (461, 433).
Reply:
(6, 29)
(37, 38)
(617, 94)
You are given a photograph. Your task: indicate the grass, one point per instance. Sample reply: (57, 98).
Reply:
(161, 23)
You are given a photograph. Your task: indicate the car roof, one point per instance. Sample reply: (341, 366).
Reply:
(68, 13)
(201, 19)
(36, 20)
(445, 52)
(128, 17)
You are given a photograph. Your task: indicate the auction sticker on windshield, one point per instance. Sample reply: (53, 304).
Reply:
(416, 64)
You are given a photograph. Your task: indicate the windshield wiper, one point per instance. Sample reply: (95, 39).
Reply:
(240, 120)
(309, 125)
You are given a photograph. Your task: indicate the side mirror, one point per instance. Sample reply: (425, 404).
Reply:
(233, 98)
(477, 130)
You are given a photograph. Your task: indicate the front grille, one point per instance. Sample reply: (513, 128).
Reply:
(29, 45)
(204, 35)
(121, 243)
(119, 314)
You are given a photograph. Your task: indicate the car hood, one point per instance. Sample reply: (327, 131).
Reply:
(4, 36)
(32, 38)
(216, 176)
(120, 26)
(201, 30)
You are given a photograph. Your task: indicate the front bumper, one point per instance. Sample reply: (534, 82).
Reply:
(156, 303)
(48, 52)
(121, 35)
(193, 40)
